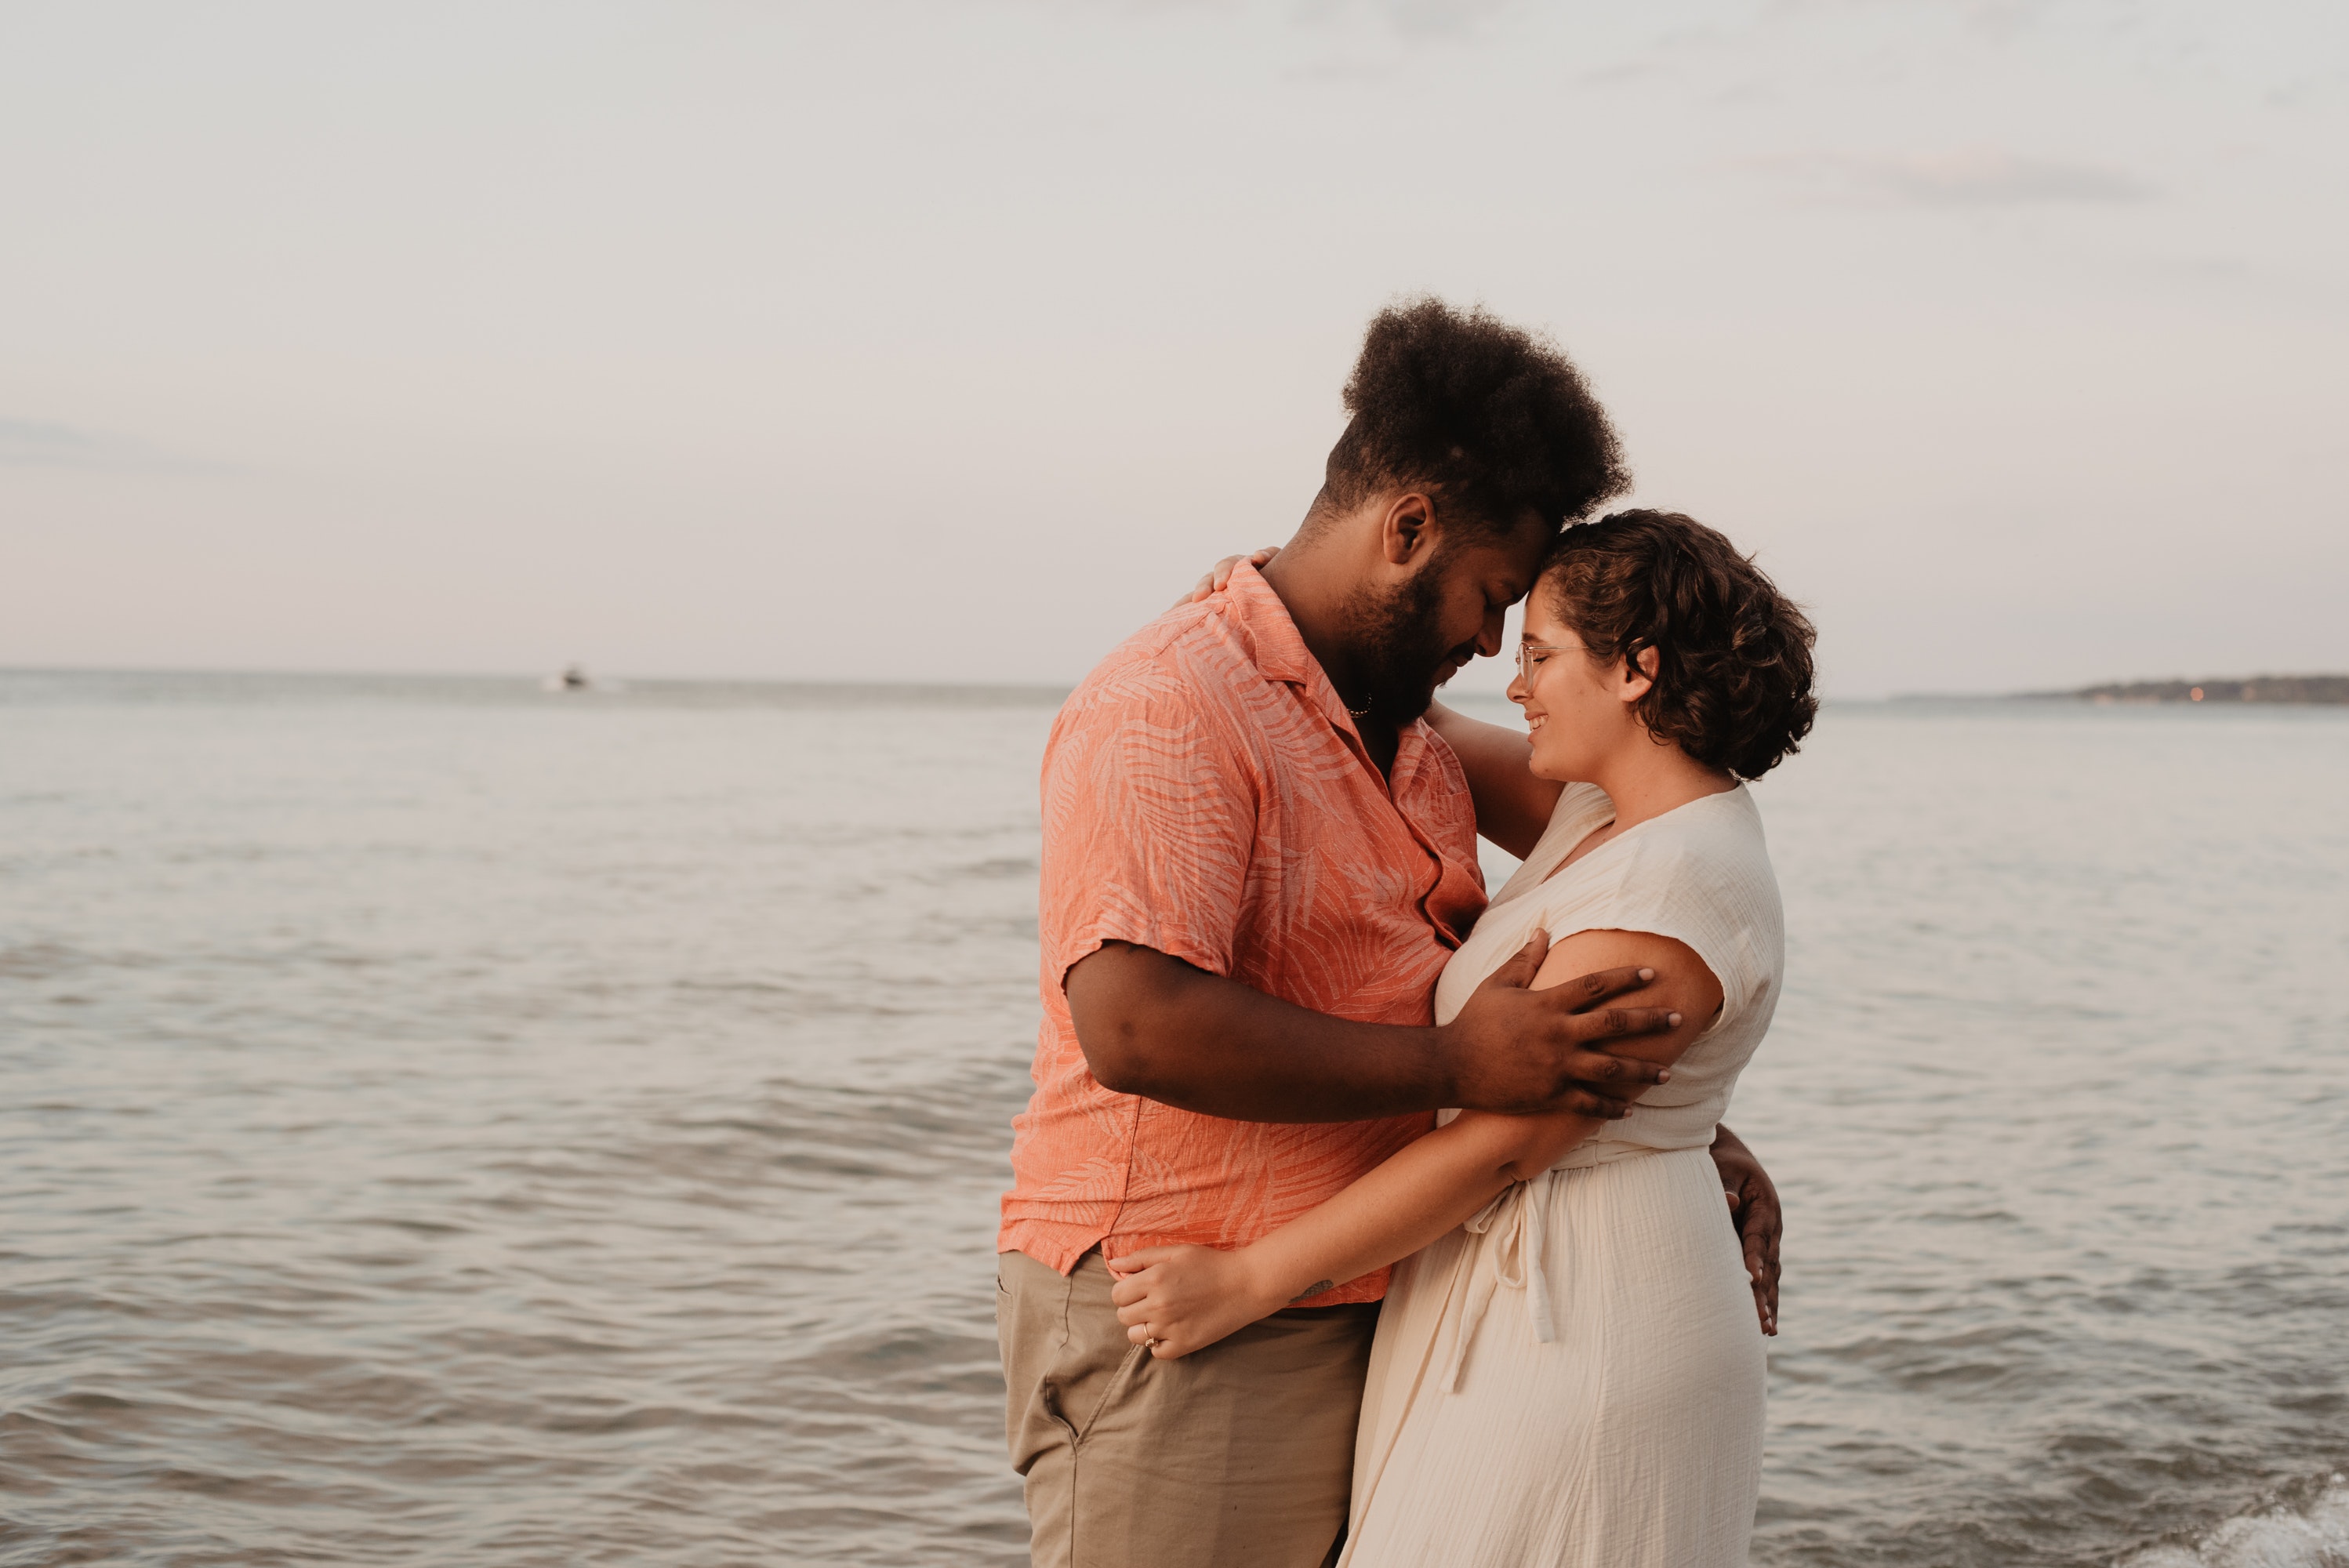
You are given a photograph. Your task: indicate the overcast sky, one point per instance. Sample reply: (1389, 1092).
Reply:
(947, 341)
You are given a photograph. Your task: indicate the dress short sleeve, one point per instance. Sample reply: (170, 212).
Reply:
(1700, 875)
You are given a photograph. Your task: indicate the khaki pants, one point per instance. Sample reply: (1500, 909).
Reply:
(1237, 1456)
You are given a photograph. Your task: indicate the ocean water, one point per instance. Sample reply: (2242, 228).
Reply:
(447, 1123)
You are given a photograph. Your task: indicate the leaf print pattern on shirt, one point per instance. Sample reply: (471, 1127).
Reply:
(1204, 795)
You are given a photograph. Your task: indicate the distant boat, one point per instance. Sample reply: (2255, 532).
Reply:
(573, 679)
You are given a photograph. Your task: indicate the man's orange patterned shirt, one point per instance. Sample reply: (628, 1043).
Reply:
(1206, 794)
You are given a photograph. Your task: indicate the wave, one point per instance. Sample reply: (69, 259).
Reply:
(2313, 1536)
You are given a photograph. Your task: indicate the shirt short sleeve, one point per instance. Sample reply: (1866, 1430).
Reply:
(1150, 814)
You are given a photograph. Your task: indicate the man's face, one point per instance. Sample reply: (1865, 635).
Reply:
(1420, 633)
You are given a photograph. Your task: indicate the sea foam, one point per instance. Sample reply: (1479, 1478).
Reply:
(2316, 1537)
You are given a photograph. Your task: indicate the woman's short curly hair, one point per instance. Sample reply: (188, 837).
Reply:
(1486, 416)
(1733, 686)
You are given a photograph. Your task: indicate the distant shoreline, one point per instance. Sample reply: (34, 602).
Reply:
(38, 684)
(2300, 690)
(244, 687)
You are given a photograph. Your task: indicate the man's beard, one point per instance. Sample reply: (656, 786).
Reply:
(1399, 647)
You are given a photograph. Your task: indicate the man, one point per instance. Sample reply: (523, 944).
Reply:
(1256, 859)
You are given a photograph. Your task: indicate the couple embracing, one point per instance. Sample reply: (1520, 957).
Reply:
(1356, 1218)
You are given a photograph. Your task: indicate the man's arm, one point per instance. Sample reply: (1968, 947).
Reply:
(1154, 1025)
(1182, 1297)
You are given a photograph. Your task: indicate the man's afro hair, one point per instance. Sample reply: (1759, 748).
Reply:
(1487, 417)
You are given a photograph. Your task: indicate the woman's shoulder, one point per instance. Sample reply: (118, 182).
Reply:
(1723, 824)
(1701, 874)
(1713, 846)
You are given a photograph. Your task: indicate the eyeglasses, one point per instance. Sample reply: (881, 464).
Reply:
(1527, 663)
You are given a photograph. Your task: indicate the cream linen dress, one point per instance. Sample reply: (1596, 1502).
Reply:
(1575, 1377)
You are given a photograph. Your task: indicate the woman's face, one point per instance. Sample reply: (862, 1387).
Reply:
(1578, 710)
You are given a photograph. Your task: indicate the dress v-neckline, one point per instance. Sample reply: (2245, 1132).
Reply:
(1574, 851)
(1570, 858)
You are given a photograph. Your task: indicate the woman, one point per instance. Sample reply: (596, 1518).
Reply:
(1570, 1372)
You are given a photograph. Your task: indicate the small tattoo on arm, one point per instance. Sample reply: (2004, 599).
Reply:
(1314, 1289)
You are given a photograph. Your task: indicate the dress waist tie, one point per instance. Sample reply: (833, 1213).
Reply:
(1512, 1238)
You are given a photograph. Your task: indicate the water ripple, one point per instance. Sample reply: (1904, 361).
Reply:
(455, 1127)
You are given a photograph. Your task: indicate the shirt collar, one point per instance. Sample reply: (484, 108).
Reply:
(1280, 653)
(1273, 637)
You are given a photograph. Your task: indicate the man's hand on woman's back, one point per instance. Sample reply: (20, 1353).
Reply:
(1760, 1222)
